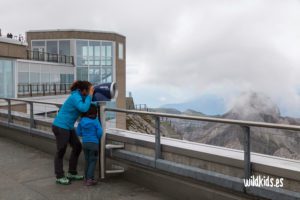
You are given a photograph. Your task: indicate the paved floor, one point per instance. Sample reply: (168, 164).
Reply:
(27, 173)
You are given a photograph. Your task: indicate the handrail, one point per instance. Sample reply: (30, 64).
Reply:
(210, 119)
(187, 117)
(32, 101)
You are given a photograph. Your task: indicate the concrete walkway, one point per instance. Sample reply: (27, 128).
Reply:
(27, 173)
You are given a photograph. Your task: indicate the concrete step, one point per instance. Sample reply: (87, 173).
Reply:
(114, 146)
(115, 169)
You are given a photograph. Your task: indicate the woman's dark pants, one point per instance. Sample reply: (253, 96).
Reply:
(91, 156)
(63, 138)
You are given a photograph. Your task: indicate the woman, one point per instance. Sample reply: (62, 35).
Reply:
(63, 128)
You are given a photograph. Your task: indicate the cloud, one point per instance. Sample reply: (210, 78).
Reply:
(180, 50)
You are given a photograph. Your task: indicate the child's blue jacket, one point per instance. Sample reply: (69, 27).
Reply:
(90, 130)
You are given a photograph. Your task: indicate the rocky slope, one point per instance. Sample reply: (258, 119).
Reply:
(259, 108)
(249, 106)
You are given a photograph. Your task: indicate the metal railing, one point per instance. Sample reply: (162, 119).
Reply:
(43, 89)
(141, 107)
(49, 57)
(31, 112)
(246, 125)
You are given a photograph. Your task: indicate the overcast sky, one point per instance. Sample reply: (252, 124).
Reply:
(178, 51)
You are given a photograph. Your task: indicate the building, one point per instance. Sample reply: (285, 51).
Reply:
(51, 60)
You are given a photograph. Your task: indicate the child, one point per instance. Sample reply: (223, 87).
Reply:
(90, 130)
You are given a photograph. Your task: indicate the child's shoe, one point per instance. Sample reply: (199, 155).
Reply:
(94, 182)
(89, 182)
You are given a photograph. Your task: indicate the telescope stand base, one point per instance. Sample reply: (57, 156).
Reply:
(115, 169)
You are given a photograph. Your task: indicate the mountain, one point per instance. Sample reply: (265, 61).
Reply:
(252, 107)
(207, 104)
(166, 110)
(193, 112)
(177, 112)
(249, 106)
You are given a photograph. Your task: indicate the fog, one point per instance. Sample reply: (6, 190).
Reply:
(181, 50)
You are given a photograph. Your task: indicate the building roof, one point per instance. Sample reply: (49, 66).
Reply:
(73, 30)
(12, 41)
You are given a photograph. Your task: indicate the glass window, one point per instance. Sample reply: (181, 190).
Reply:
(45, 77)
(34, 77)
(63, 78)
(106, 74)
(64, 47)
(52, 47)
(55, 78)
(94, 53)
(6, 78)
(82, 52)
(38, 43)
(120, 51)
(95, 75)
(23, 77)
(111, 115)
(70, 78)
(106, 53)
(82, 73)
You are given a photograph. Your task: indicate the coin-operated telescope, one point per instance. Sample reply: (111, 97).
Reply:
(105, 92)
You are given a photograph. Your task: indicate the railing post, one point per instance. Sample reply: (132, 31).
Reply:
(157, 138)
(32, 125)
(247, 153)
(54, 88)
(30, 90)
(103, 140)
(9, 110)
(43, 89)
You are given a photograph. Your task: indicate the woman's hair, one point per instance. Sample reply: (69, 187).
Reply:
(80, 85)
(91, 113)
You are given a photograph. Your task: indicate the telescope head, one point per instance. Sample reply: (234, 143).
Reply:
(105, 92)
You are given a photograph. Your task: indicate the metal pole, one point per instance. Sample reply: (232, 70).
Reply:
(43, 89)
(157, 138)
(9, 110)
(31, 115)
(103, 140)
(30, 90)
(247, 152)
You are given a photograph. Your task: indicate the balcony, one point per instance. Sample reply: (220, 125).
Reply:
(46, 89)
(49, 57)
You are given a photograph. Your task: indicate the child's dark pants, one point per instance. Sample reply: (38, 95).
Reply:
(91, 156)
(63, 138)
